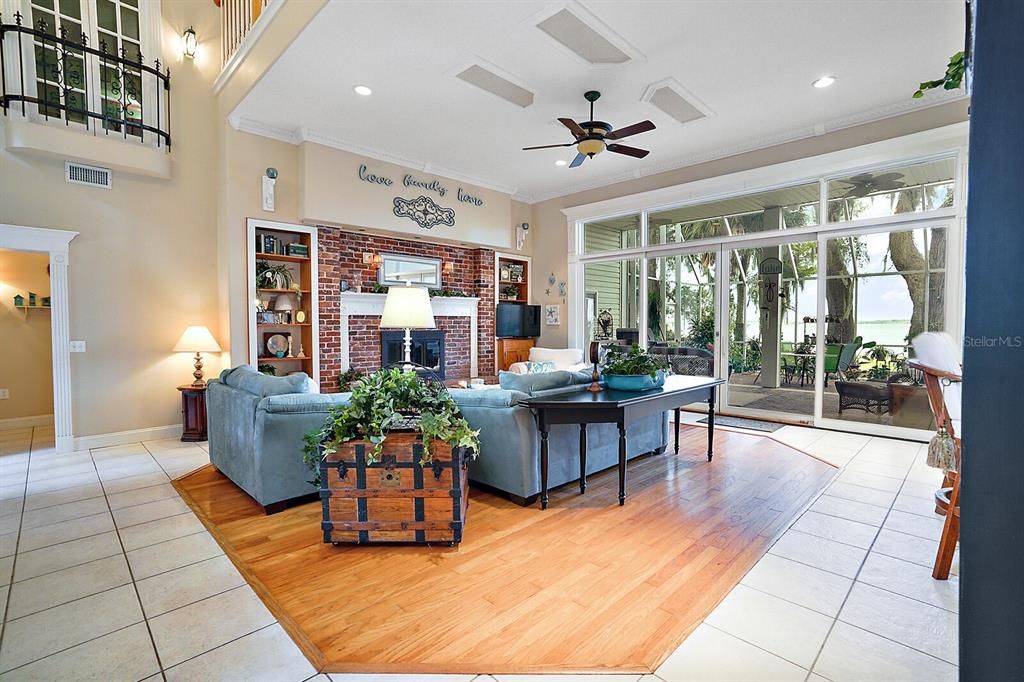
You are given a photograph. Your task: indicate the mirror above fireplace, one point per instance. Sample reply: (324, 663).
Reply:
(396, 269)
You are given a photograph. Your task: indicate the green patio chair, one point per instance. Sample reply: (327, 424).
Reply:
(839, 356)
(789, 367)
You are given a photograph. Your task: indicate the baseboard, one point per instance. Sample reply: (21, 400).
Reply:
(104, 440)
(25, 422)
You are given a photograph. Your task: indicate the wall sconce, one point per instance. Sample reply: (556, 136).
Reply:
(521, 231)
(371, 259)
(448, 267)
(189, 42)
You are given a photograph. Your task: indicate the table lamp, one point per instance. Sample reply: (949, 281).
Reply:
(197, 339)
(284, 303)
(407, 308)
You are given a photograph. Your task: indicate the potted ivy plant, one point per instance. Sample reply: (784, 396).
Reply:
(386, 401)
(272, 276)
(633, 370)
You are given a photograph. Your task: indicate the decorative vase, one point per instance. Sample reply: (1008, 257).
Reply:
(634, 382)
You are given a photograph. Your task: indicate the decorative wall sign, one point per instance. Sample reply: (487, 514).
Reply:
(770, 266)
(410, 180)
(424, 212)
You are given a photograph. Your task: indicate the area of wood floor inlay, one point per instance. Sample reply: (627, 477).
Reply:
(584, 586)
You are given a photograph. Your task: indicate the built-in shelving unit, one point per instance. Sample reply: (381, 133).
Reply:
(512, 272)
(302, 295)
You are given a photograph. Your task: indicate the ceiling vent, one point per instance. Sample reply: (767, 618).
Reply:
(80, 174)
(486, 79)
(674, 100)
(581, 38)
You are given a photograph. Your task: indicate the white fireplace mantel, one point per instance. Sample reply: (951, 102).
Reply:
(364, 304)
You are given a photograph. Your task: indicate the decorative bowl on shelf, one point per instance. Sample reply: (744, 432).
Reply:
(634, 382)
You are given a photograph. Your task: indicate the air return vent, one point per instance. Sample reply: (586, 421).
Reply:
(580, 37)
(80, 174)
(489, 81)
(669, 96)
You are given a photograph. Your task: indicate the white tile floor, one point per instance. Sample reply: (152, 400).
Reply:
(106, 574)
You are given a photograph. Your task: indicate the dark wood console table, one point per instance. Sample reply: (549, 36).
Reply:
(619, 407)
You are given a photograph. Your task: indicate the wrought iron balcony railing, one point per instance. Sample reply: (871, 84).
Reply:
(49, 75)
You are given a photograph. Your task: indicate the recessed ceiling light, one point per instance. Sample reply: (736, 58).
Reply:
(561, 162)
(363, 90)
(824, 82)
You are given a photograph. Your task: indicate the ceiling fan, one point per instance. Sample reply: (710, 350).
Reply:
(592, 137)
(867, 183)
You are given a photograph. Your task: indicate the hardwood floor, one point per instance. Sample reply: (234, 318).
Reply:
(585, 586)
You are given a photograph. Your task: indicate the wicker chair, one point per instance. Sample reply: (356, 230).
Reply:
(687, 360)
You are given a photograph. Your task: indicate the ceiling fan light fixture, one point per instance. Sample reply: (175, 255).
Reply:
(824, 82)
(590, 147)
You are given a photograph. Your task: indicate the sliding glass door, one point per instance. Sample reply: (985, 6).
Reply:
(772, 304)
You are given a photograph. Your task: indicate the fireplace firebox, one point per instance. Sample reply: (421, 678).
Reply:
(427, 349)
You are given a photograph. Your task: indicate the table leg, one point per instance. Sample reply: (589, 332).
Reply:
(583, 458)
(622, 463)
(543, 463)
(677, 430)
(711, 424)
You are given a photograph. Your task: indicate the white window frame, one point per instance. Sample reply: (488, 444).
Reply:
(150, 17)
(946, 142)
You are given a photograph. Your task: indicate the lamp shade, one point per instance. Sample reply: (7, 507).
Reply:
(407, 307)
(284, 302)
(197, 339)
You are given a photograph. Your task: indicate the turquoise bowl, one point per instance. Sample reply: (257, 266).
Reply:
(634, 382)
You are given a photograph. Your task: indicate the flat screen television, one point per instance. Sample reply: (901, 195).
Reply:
(517, 320)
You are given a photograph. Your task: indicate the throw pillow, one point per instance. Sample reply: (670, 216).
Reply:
(529, 383)
(540, 367)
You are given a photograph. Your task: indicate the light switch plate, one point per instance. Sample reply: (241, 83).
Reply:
(4, 394)
(78, 346)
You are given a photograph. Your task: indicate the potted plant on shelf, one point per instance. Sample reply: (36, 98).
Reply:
(509, 292)
(632, 370)
(272, 276)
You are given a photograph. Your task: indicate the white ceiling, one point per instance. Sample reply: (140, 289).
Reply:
(750, 62)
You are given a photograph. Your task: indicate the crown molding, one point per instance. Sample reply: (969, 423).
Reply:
(300, 135)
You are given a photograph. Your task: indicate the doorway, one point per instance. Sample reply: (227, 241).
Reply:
(26, 385)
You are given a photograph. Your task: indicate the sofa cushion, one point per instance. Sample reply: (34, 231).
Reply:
(538, 367)
(245, 378)
(529, 383)
(468, 397)
(303, 403)
(564, 358)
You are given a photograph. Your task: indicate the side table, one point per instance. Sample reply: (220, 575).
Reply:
(193, 412)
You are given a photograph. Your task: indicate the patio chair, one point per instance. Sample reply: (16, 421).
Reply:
(847, 352)
(832, 352)
(937, 358)
(789, 367)
(687, 359)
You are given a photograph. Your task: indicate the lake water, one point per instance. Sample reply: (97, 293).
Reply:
(884, 332)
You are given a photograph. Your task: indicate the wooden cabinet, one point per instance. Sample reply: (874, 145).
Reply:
(193, 412)
(513, 350)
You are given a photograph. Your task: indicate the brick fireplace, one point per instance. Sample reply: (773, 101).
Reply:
(358, 345)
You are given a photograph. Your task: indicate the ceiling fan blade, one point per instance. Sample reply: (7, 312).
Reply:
(573, 126)
(635, 129)
(580, 158)
(628, 151)
(549, 146)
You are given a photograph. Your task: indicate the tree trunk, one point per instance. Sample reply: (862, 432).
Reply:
(839, 293)
(909, 262)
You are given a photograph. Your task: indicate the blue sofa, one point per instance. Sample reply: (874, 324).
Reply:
(256, 425)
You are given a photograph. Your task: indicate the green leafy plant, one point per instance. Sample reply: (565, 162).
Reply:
(633, 362)
(266, 368)
(952, 79)
(510, 291)
(348, 378)
(391, 399)
(270, 276)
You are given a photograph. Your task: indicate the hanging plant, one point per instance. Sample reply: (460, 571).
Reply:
(951, 80)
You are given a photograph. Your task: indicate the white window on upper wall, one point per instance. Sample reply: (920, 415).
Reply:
(90, 64)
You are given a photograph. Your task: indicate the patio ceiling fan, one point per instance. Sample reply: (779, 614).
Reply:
(592, 137)
(868, 183)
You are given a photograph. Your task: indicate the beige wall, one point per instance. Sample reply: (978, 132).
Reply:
(332, 192)
(25, 367)
(144, 266)
(551, 239)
